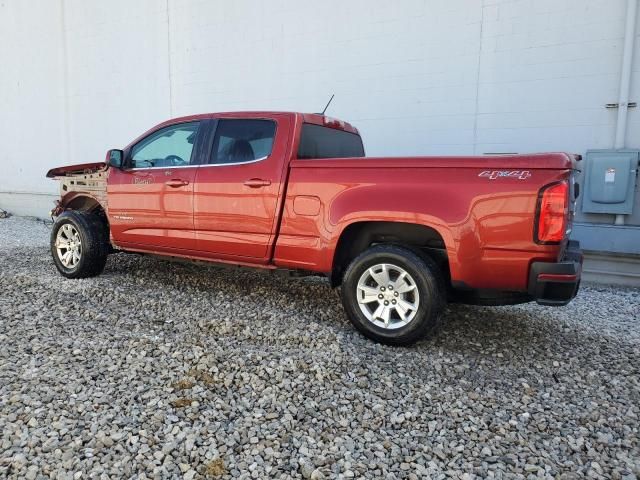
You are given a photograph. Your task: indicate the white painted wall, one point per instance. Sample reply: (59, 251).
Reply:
(416, 76)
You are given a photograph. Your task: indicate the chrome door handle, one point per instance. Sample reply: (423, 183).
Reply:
(257, 183)
(176, 182)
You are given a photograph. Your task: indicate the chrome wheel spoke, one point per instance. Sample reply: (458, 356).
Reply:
(401, 313)
(380, 274)
(386, 315)
(402, 309)
(367, 294)
(379, 311)
(402, 285)
(406, 306)
(65, 258)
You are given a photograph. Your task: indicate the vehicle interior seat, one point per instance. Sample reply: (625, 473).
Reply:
(240, 151)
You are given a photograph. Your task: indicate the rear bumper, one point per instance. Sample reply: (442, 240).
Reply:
(556, 284)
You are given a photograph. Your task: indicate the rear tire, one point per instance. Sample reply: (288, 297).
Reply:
(79, 244)
(393, 295)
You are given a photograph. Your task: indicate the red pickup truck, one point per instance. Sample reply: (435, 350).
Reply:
(294, 191)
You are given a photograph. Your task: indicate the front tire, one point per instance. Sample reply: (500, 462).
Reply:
(79, 244)
(393, 295)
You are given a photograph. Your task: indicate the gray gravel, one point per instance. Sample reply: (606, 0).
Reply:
(163, 370)
(23, 232)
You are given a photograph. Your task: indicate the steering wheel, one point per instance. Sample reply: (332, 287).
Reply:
(175, 160)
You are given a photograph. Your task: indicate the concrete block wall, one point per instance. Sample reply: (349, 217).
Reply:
(417, 77)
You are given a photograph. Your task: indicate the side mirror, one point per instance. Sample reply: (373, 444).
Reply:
(115, 158)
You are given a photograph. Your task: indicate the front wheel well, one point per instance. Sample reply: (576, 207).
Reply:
(358, 237)
(87, 204)
(83, 203)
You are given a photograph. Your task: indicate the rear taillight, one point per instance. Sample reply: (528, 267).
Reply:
(552, 213)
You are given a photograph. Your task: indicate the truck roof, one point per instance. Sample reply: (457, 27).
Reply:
(314, 118)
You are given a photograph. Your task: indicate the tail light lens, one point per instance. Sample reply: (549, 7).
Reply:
(553, 210)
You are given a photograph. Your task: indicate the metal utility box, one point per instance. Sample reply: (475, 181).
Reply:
(609, 181)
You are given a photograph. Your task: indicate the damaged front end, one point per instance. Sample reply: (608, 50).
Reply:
(82, 187)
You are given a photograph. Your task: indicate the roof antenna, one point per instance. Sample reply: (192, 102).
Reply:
(328, 103)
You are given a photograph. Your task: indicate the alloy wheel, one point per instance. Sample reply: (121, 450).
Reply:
(388, 296)
(68, 246)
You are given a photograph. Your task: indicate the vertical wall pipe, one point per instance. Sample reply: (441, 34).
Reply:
(625, 81)
(625, 74)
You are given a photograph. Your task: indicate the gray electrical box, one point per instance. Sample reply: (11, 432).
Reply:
(609, 181)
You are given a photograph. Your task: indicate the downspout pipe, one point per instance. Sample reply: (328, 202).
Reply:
(625, 81)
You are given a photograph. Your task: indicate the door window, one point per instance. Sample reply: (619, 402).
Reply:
(170, 147)
(241, 141)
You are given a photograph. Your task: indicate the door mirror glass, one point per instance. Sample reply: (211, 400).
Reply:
(115, 158)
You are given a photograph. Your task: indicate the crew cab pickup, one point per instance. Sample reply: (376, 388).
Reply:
(294, 191)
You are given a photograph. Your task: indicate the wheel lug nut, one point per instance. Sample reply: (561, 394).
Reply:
(382, 289)
(395, 294)
(393, 301)
(390, 287)
(381, 296)
(386, 302)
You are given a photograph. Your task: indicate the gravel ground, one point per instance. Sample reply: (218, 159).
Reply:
(163, 370)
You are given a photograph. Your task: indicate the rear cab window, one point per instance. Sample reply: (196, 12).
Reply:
(317, 141)
(242, 140)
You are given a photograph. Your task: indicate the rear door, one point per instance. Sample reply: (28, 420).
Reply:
(237, 193)
(151, 199)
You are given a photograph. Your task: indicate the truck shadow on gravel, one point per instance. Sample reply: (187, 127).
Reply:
(523, 333)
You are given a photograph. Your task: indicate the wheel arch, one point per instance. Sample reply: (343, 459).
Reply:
(81, 201)
(357, 236)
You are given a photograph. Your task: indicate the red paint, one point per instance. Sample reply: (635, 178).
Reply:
(306, 205)
(146, 209)
(235, 206)
(285, 212)
(487, 225)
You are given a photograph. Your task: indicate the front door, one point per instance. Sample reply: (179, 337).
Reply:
(151, 199)
(237, 193)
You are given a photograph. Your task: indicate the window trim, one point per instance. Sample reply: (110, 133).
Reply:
(135, 169)
(214, 131)
(234, 163)
(195, 152)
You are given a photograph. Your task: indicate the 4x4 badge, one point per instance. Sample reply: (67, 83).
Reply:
(493, 174)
